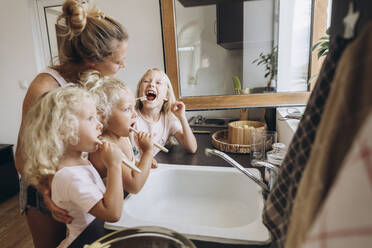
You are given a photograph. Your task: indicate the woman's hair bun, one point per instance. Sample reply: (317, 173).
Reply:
(75, 16)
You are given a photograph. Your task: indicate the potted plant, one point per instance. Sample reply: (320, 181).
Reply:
(322, 47)
(270, 61)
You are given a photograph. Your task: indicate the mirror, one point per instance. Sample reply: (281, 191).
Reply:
(201, 62)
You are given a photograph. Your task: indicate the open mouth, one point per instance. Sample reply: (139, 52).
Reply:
(150, 95)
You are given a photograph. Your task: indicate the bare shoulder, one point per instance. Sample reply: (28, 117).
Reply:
(42, 83)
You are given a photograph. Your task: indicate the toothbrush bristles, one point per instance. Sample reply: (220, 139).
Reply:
(142, 98)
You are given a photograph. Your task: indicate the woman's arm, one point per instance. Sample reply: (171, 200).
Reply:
(41, 84)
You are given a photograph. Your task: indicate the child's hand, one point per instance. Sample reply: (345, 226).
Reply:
(178, 109)
(154, 164)
(145, 141)
(111, 154)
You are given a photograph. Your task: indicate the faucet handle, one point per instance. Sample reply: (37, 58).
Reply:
(273, 172)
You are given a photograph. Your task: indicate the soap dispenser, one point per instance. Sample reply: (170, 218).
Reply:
(276, 156)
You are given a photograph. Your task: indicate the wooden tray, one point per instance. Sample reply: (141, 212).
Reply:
(220, 141)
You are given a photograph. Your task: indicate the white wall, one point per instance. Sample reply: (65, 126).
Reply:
(210, 65)
(17, 62)
(18, 57)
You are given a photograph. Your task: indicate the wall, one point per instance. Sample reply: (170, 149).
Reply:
(17, 62)
(205, 67)
(20, 55)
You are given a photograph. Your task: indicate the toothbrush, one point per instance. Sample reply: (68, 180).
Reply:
(124, 159)
(155, 144)
(142, 98)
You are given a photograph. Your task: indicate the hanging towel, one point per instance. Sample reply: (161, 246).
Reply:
(347, 107)
(345, 219)
(278, 205)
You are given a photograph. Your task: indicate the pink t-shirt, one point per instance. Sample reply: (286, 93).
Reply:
(166, 126)
(77, 189)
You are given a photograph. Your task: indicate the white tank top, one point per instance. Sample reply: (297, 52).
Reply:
(55, 74)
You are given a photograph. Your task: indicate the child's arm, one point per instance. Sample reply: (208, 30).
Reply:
(185, 137)
(110, 207)
(134, 181)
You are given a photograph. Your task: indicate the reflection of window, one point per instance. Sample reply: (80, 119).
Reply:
(294, 45)
(51, 15)
(47, 13)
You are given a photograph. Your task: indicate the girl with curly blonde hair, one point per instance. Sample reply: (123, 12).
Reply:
(89, 39)
(59, 128)
(160, 114)
(116, 106)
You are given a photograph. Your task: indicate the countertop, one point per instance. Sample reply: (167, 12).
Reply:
(176, 155)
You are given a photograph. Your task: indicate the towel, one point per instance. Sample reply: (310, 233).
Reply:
(347, 107)
(278, 205)
(345, 218)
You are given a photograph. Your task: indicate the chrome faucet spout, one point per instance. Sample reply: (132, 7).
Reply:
(235, 164)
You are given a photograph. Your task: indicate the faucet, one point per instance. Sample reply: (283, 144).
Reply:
(273, 170)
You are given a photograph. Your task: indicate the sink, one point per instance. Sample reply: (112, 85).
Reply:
(208, 203)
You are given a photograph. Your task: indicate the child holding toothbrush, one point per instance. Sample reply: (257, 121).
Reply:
(160, 114)
(115, 104)
(59, 128)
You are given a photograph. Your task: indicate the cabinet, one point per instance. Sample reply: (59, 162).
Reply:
(230, 24)
(9, 185)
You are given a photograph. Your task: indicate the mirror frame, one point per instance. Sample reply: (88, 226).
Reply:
(228, 101)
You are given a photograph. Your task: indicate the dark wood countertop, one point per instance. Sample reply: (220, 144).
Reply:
(176, 155)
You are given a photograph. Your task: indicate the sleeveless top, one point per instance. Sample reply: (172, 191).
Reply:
(55, 74)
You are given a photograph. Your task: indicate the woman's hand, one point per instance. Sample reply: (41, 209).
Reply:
(179, 109)
(58, 213)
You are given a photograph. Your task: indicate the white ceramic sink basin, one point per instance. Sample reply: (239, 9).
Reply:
(208, 203)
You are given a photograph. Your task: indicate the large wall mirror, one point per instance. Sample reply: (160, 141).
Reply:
(263, 43)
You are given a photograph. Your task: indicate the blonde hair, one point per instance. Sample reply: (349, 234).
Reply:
(86, 35)
(170, 93)
(50, 125)
(105, 90)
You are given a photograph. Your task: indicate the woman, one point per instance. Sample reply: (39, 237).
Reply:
(89, 40)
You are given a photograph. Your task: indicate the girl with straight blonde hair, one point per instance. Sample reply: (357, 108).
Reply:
(160, 114)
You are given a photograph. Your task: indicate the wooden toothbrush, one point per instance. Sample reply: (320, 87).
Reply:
(155, 143)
